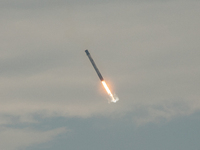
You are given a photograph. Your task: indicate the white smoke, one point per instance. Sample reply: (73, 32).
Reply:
(113, 98)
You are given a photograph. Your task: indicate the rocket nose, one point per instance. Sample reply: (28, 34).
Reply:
(87, 52)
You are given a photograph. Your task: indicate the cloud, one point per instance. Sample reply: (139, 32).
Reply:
(165, 111)
(13, 138)
(152, 58)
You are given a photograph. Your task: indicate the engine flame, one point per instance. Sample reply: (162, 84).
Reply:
(113, 98)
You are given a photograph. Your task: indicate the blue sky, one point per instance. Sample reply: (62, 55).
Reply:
(147, 51)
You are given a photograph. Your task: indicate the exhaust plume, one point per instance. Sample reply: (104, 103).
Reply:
(113, 99)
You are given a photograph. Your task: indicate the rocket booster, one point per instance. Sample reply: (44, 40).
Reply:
(94, 65)
(113, 98)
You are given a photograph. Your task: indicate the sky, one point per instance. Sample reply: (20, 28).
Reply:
(147, 51)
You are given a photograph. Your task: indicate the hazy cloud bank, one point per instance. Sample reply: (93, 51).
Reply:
(12, 138)
(147, 51)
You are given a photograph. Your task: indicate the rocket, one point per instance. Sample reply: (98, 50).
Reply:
(113, 98)
(94, 65)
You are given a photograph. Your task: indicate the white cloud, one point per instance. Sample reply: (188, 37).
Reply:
(14, 139)
(149, 50)
(165, 111)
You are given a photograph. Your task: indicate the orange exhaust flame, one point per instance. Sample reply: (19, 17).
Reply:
(113, 99)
